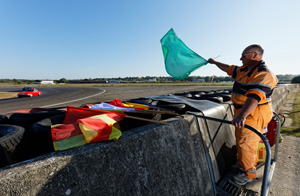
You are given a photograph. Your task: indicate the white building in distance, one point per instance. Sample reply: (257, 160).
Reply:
(44, 82)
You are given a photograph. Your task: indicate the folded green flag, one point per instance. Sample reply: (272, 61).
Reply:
(180, 61)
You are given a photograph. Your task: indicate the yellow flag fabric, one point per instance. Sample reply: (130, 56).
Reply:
(136, 105)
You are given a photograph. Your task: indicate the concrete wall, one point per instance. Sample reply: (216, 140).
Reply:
(280, 94)
(150, 160)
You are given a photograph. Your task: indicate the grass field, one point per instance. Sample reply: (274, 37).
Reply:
(294, 130)
(6, 95)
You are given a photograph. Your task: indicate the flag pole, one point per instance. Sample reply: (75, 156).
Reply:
(144, 119)
(217, 57)
(145, 112)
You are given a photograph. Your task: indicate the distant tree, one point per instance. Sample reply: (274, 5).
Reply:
(6, 81)
(286, 76)
(207, 79)
(296, 79)
(16, 81)
(63, 80)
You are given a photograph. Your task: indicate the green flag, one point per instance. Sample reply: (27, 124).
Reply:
(180, 61)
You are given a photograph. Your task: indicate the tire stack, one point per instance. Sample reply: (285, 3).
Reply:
(218, 96)
(41, 134)
(10, 138)
(17, 141)
(127, 123)
(162, 105)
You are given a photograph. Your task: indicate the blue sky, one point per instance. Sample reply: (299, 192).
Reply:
(77, 39)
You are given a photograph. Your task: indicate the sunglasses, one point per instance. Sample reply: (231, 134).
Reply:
(244, 55)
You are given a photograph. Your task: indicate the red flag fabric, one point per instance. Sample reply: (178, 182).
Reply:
(75, 113)
(118, 102)
(63, 132)
(67, 136)
(101, 127)
(84, 125)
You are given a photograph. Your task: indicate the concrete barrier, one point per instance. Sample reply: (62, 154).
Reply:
(150, 160)
(280, 94)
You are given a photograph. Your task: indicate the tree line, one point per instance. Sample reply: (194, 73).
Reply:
(155, 79)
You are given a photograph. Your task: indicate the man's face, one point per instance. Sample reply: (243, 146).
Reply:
(247, 57)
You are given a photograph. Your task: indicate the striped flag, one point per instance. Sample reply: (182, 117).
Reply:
(101, 127)
(84, 125)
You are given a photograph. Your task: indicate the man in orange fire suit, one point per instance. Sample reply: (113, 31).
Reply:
(252, 89)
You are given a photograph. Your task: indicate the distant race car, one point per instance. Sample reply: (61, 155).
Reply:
(29, 93)
(26, 88)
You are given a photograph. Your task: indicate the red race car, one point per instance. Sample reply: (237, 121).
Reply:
(29, 93)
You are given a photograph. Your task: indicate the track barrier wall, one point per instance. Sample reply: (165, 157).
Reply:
(150, 160)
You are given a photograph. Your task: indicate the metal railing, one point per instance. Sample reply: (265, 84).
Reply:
(268, 171)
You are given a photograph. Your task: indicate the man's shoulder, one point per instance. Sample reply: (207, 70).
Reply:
(263, 67)
(266, 74)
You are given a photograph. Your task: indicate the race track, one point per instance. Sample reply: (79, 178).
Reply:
(76, 96)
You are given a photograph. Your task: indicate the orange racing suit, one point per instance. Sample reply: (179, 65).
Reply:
(257, 82)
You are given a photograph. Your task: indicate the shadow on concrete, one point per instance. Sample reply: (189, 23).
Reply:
(149, 160)
(225, 152)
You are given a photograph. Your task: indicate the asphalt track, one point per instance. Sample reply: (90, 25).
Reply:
(77, 96)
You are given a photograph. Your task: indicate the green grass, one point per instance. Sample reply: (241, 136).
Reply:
(294, 129)
(291, 131)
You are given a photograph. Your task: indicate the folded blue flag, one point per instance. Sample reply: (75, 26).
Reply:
(180, 61)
